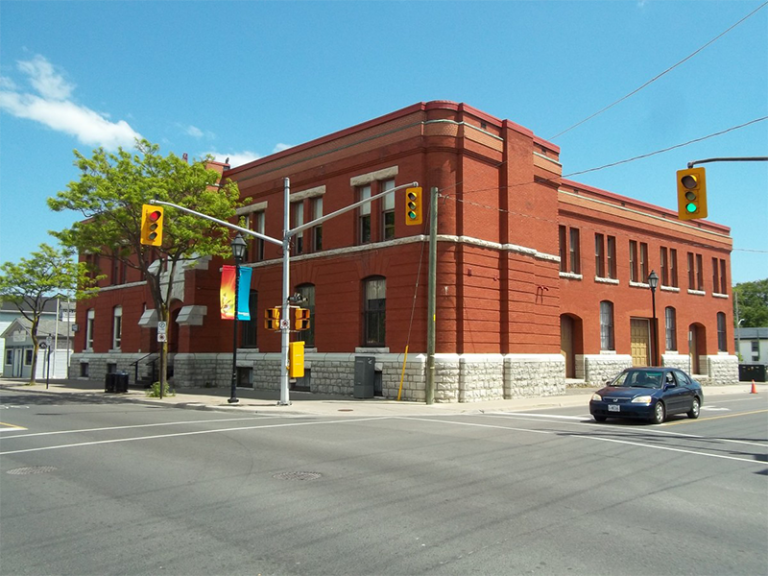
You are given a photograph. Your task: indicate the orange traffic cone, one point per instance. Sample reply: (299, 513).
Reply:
(754, 388)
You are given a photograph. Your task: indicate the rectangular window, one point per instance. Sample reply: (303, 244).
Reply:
(117, 327)
(575, 252)
(317, 231)
(671, 329)
(599, 256)
(691, 272)
(723, 282)
(664, 262)
(563, 249)
(611, 255)
(9, 357)
(89, 322)
(699, 272)
(644, 262)
(258, 244)
(364, 215)
(722, 343)
(28, 357)
(388, 210)
(755, 351)
(374, 321)
(673, 267)
(248, 334)
(606, 325)
(633, 261)
(297, 219)
(715, 276)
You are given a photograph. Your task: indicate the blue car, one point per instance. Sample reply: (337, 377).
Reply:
(648, 394)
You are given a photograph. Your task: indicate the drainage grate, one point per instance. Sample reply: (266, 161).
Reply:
(297, 476)
(28, 470)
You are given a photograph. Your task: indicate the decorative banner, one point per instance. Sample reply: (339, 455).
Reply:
(228, 293)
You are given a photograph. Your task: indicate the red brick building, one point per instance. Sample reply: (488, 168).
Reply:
(539, 279)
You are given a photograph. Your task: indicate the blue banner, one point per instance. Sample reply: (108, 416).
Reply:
(243, 294)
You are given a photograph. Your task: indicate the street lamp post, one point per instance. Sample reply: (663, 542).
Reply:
(238, 253)
(653, 282)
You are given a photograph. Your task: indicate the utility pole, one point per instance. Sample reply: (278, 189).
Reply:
(431, 296)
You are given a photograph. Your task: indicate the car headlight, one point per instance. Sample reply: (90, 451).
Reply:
(597, 398)
(642, 399)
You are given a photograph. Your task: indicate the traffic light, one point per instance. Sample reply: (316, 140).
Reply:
(413, 213)
(272, 318)
(152, 225)
(691, 194)
(302, 319)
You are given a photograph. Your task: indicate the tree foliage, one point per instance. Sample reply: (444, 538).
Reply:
(752, 300)
(109, 195)
(49, 273)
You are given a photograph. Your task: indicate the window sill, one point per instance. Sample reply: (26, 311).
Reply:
(571, 276)
(603, 280)
(670, 289)
(697, 292)
(718, 295)
(371, 350)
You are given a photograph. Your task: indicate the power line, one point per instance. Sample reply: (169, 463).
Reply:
(636, 90)
(666, 149)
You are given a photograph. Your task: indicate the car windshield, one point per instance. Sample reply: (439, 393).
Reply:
(639, 379)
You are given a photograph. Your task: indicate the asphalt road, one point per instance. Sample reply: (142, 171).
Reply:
(107, 487)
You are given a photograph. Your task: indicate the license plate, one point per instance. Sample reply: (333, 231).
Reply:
(614, 408)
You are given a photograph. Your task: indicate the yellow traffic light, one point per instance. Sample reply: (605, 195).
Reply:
(152, 225)
(272, 318)
(691, 194)
(413, 210)
(302, 319)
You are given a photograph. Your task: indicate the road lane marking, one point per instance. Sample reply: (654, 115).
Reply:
(578, 435)
(553, 416)
(10, 427)
(710, 418)
(178, 434)
(130, 426)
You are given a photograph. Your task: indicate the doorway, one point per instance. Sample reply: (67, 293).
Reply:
(640, 334)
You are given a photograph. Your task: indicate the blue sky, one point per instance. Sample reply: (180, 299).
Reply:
(246, 79)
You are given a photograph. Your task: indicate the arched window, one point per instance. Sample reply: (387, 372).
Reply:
(606, 325)
(670, 325)
(722, 342)
(374, 311)
(307, 292)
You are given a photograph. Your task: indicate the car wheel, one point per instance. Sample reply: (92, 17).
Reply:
(598, 418)
(659, 413)
(695, 408)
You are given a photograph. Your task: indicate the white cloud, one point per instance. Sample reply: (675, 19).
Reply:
(281, 147)
(235, 158)
(194, 131)
(54, 108)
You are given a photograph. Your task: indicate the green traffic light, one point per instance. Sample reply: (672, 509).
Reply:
(411, 214)
(691, 208)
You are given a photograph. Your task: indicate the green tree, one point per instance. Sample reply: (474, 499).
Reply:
(110, 193)
(752, 301)
(47, 275)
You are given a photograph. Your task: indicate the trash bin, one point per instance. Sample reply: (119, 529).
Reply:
(109, 382)
(364, 375)
(749, 372)
(121, 381)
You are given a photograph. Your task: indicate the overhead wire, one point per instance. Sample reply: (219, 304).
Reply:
(652, 80)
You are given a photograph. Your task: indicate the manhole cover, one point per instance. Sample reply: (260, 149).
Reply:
(26, 471)
(297, 476)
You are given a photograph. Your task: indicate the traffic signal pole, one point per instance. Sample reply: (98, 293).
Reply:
(285, 243)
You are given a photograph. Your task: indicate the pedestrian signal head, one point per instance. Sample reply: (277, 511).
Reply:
(302, 319)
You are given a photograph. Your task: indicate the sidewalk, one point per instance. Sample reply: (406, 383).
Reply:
(309, 404)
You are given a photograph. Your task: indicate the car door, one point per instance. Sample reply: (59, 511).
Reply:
(683, 391)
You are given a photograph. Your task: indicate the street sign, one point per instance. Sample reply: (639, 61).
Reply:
(162, 337)
(162, 328)
(285, 324)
